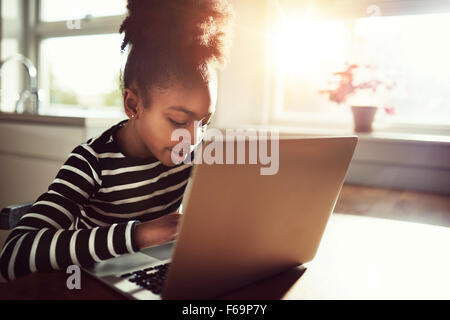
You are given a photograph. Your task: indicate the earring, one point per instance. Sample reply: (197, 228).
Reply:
(132, 116)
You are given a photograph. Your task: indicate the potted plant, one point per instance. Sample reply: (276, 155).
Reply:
(344, 87)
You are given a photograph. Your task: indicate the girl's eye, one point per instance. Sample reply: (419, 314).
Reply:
(178, 124)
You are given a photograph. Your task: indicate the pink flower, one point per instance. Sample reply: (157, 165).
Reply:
(389, 110)
(345, 86)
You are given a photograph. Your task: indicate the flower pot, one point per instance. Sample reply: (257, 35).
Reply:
(363, 117)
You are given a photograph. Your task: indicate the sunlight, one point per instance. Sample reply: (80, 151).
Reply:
(304, 42)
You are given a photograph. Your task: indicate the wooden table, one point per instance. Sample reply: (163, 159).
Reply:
(359, 258)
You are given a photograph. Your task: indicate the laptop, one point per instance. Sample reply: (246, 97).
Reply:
(238, 225)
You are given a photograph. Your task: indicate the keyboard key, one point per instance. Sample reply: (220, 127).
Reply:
(148, 269)
(126, 275)
(151, 279)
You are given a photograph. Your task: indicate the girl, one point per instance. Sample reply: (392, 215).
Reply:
(119, 192)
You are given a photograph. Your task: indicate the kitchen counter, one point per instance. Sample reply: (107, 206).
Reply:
(78, 119)
(33, 147)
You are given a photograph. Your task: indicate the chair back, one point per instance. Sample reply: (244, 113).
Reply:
(10, 216)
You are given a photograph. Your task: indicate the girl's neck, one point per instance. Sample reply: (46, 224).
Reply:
(130, 143)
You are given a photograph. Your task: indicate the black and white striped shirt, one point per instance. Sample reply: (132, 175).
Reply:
(90, 210)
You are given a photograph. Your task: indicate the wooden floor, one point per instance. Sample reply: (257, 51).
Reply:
(395, 204)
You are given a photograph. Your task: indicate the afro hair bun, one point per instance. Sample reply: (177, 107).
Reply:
(200, 29)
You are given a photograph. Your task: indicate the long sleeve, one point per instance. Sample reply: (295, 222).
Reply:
(54, 233)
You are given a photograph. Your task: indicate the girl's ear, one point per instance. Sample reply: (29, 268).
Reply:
(131, 103)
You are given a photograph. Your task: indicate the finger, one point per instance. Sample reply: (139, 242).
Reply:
(174, 235)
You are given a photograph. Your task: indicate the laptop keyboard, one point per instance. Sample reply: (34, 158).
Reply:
(151, 279)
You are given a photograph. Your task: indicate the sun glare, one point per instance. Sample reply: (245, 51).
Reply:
(304, 42)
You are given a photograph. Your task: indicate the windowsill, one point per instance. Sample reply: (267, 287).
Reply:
(68, 117)
(375, 136)
(385, 129)
(80, 112)
(381, 136)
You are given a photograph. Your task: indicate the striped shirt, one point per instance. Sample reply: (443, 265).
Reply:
(91, 208)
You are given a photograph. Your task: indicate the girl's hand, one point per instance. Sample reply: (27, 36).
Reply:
(157, 231)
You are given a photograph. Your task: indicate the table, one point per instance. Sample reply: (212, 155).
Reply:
(358, 258)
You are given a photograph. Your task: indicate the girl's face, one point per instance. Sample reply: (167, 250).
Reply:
(174, 107)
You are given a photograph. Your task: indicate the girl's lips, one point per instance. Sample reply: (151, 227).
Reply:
(189, 148)
(178, 156)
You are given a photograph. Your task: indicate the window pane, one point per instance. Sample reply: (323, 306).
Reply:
(10, 9)
(12, 73)
(409, 52)
(54, 10)
(82, 71)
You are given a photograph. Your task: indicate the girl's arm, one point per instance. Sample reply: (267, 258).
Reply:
(45, 238)
(157, 231)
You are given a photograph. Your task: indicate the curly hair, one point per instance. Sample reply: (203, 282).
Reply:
(174, 39)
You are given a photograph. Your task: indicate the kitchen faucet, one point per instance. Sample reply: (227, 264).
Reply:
(32, 92)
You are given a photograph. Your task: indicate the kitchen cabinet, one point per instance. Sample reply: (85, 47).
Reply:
(34, 147)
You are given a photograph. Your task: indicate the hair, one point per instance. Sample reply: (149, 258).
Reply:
(174, 40)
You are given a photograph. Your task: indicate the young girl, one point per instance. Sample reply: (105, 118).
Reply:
(119, 192)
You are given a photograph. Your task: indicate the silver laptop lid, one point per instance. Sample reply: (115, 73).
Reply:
(240, 226)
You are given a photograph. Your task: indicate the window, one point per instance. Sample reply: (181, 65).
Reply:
(75, 46)
(407, 51)
(10, 35)
(82, 71)
(79, 55)
(58, 10)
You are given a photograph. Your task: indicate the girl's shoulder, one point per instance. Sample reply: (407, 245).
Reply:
(99, 147)
(107, 135)
(104, 142)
